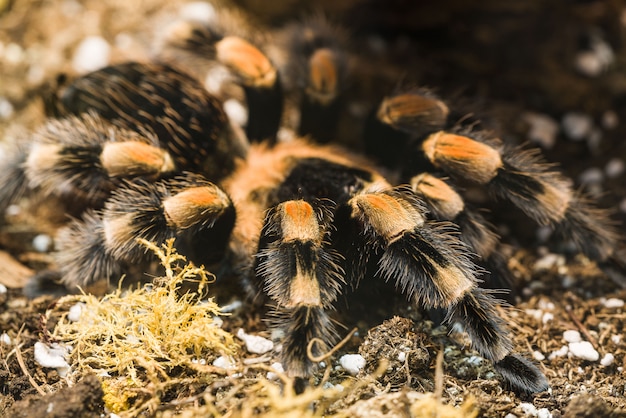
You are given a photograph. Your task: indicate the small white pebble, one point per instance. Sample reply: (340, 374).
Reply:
(548, 261)
(402, 356)
(13, 53)
(584, 350)
(613, 303)
(538, 355)
(607, 360)
(224, 362)
(278, 367)
(6, 108)
(577, 126)
(52, 357)
(592, 175)
(544, 413)
(198, 11)
(42, 243)
(616, 339)
(543, 129)
(510, 415)
(610, 120)
(528, 409)
(589, 63)
(255, 344)
(5, 339)
(534, 313)
(3, 289)
(561, 352)
(572, 336)
(75, 312)
(547, 317)
(474, 360)
(236, 112)
(91, 54)
(614, 168)
(352, 363)
(216, 76)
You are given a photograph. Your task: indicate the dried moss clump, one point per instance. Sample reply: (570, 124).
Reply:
(147, 343)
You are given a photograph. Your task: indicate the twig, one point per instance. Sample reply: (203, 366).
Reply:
(20, 360)
(332, 351)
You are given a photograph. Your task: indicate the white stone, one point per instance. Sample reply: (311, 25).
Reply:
(91, 54)
(5, 339)
(584, 350)
(75, 312)
(42, 243)
(3, 289)
(528, 409)
(254, 343)
(612, 303)
(199, 11)
(224, 362)
(543, 129)
(52, 357)
(614, 168)
(402, 356)
(538, 355)
(607, 360)
(278, 367)
(6, 108)
(561, 352)
(547, 317)
(572, 336)
(577, 126)
(589, 63)
(236, 111)
(610, 120)
(352, 363)
(616, 339)
(592, 175)
(544, 413)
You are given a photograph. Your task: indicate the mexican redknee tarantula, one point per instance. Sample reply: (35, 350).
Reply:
(143, 150)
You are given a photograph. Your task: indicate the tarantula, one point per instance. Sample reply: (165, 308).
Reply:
(143, 150)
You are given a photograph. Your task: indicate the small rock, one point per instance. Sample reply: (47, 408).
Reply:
(254, 343)
(538, 355)
(577, 126)
(562, 352)
(42, 243)
(278, 367)
(610, 120)
(52, 356)
(75, 312)
(607, 360)
(613, 303)
(528, 409)
(614, 168)
(572, 336)
(352, 363)
(543, 129)
(91, 54)
(224, 362)
(5, 339)
(583, 350)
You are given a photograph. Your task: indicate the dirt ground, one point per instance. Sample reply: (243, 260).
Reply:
(552, 73)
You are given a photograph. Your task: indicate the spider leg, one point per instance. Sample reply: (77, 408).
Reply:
(12, 175)
(229, 45)
(445, 204)
(301, 276)
(160, 100)
(521, 177)
(194, 211)
(434, 269)
(316, 70)
(82, 159)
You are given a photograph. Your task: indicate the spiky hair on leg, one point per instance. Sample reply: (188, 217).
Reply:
(81, 253)
(83, 158)
(426, 259)
(296, 265)
(159, 211)
(301, 325)
(13, 154)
